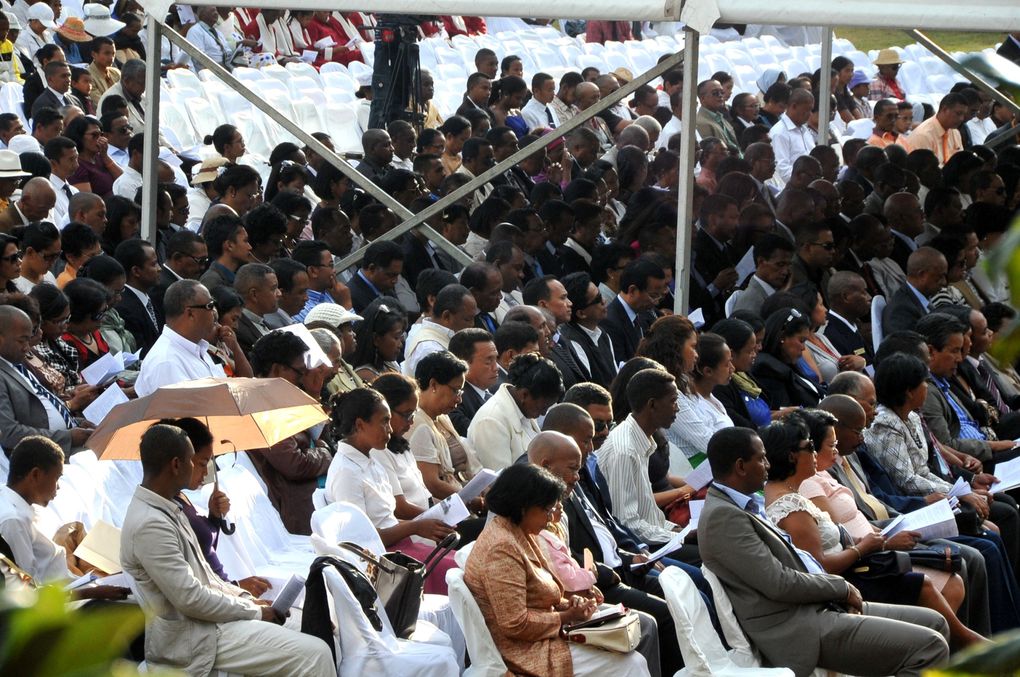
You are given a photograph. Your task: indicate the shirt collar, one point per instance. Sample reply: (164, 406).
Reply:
(440, 328)
(842, 319)
(20, 505)
(769, 289)
(594, 334)
(920, 297)
(741, 499)
(198, 349)
(369, 283)
(354, 455)
(480, 392)
(630, 311)
(142, 296)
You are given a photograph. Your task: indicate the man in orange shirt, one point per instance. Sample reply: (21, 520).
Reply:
(884, 133)
(940, 133)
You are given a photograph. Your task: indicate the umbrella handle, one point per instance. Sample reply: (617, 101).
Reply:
(225, 525)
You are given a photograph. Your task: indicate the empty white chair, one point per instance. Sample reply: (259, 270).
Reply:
(334, 95)
(305, 70)
(451, 71)
(276, 72)
(245, 73)
(365, 650)
(339, 80)
(184, 78)
(308, 113)
(203, 116)
(299, 85)
(358, 69)
(332, 67)
(878, 303)
(485, 658)
(171, 117)
(342, 125)
(703, 653)
(913, 77)
(206, 75)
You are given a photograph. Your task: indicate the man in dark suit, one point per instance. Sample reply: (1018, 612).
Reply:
(576, 252)
(849, 303)
(504, 144)
(37, 199)
(1010, 48)
(797, 615)
(27, 407)
(186, 259)
(631, 313)
(378, 274)
(58, 84)
(479, 87)
(590, 346)
(559, 221)
(485, 283)
(259, 289)
(714, 261)
(926, 274)
(420, 254)
(139, 313)
(905, 218)
(478, 349)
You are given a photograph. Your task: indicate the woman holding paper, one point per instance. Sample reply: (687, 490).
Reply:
(444, 458)
(792, 459)
(361, 421)
(524, 605)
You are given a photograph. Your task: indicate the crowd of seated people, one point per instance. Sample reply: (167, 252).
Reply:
(553, 359)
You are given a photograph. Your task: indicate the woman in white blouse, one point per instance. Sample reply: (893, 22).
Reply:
(361, 420)
(410, 492)
(443, 457)
(714, 368)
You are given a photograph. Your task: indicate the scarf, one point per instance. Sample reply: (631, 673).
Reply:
(744, 381)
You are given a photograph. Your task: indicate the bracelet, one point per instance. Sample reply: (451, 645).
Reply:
(857, 550)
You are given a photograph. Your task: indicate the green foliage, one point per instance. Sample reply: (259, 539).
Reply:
(866, 39)
(1001, 657)
(42, 636)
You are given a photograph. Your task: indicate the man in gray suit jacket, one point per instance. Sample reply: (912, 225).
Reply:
(798, 616)
(23, 411)
(773, 259)
(195, 621)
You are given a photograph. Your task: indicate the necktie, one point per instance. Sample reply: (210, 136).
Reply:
(859, 489)
(549, 117)
(67, 190)
(152, 313)
(42, 391)
(992, 388)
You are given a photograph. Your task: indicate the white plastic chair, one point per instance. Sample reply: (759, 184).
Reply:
(339, 80)
(248, 74)
(878, 304)
(732, 301)
(304, 70)
(486, 660)
(741, 653)
(704, 655)
(342, 521)
(365, 650)
(300, 84)
(203, 116)
(172, 117)
(332, 67)
(357, 69)
(860, 129)
(182, 78)
(342, 126)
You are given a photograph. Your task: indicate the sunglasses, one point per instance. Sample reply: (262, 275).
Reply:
(13, 258)
(200, 260)
(604, 425)
(207, 306)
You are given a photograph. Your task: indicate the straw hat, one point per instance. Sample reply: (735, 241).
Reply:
(42, 13)
(10, 165)
(74, 30)
(209, 170)
(623, 75)
(332, 314)
(887, 57)
(98, 20)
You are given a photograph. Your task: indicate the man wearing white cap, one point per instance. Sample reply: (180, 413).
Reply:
(10, 65)
(40, 23)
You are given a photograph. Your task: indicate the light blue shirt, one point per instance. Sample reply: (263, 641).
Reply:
(920, 297)
(756, 504)
(631, 315)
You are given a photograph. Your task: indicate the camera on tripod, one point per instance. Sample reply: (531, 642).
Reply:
(396, 72)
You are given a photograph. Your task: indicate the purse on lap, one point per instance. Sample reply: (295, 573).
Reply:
(619, 631)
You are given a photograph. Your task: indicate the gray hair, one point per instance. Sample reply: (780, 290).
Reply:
(132, 69)
(250, 276)
(179, 295)
(326, 339)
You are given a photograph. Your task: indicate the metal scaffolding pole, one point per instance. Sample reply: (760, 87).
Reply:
(824, 87)
(685, 194)
(150, 157)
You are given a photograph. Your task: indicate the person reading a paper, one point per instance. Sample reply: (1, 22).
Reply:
(195, 621)
(792, 459)
(36, 465)
(524, 605)
(361, 423)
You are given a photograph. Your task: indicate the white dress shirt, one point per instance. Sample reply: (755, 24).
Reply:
(33, 552)
(128, 183)
(425, 347)
(789, 141)
(405, 478)
(173, 359)
(623, 459)
(536, 115)
(60, 206)
(695, 423)
(358, 479)
(209, 41)
(198, 205)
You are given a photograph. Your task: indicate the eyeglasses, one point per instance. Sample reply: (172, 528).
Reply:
(299, 219)
(302, 372)
(827, 246)
(200, 260)
(207, 306)
(456, 391)
(806, 446)
(50, 258)
(408, 417)
(16, 256)
(604, 425)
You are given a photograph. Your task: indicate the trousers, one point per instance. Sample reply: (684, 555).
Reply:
(258, 648)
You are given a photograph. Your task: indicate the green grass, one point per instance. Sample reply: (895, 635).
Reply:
(866, 39)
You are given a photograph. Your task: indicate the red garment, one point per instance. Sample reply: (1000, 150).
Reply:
(366, 29)
(600, 31)
(85, 356)
(318, 30)
(472, 25)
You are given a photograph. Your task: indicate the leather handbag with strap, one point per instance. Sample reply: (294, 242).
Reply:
(619, 632)
(883, 564)
(942, 557)
(399, 581)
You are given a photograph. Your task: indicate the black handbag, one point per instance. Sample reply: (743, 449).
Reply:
(882, 564)
(399, 581)
(942, 557)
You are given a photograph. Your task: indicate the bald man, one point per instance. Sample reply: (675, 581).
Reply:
(27, 407)
(378, 149)
(586, 95)
(926, 275)
(849, 305)
(36, 202)
(559, 454)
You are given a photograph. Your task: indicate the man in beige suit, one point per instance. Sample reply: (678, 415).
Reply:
(798, 616)
(195, 621)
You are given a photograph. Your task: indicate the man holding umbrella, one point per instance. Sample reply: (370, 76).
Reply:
(195, 621)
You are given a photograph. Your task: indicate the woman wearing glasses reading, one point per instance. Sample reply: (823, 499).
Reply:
(380, 339)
